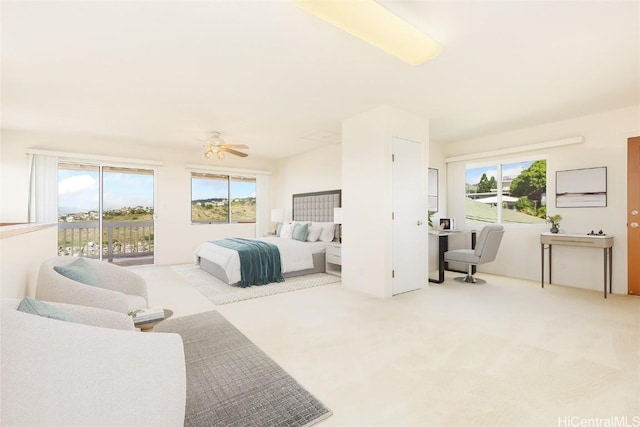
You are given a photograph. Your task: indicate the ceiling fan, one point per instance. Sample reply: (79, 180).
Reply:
(215, 145)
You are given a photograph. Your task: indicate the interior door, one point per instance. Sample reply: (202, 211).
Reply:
(409, 233)
(633, 215)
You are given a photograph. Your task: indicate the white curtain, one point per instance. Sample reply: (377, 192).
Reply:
(263, 205)
(43, 189)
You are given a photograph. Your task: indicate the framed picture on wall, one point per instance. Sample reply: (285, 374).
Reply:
(581, 188)
(433, 190)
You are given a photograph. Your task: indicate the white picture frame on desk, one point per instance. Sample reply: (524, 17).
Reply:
(447, 224)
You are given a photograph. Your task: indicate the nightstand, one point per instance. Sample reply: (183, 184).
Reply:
(333, 259)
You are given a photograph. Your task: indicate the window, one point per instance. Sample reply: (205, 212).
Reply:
(106, 212)
(222, 198)
(506, 192)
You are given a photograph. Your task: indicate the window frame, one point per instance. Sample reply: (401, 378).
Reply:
(229, 179)
(499, 163)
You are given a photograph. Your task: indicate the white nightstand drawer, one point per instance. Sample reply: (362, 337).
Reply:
(333, 259)
(334, 249)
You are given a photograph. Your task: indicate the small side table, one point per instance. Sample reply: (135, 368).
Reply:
(333, 259)
(584, 240)
(148, 326)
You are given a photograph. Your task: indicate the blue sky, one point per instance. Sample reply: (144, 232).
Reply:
(212, 188)
(78, 190)
(473, 175)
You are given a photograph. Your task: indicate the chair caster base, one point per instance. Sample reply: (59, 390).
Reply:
(470, 279)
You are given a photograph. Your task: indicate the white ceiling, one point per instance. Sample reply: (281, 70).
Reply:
(268, 75)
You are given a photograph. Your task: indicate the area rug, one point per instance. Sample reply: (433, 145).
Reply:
(231, 382)
(221, 293)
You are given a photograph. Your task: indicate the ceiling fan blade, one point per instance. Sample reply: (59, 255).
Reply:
(232, 151)
(242, 146)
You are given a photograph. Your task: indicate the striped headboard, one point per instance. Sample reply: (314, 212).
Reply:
(316, 206)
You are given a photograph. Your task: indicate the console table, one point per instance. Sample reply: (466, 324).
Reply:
(583, 240)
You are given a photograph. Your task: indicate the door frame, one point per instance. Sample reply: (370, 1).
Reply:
(633, 204)
(409, 263)
(86, 233)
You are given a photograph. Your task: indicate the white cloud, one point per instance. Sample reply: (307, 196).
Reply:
(77, 184)
(513, 171)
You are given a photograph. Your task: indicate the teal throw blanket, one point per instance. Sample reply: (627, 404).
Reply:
(259, 261)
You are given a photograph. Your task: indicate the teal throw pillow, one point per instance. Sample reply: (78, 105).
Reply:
(33, 306)
(80, 271)
(300, 232)
(279, 229)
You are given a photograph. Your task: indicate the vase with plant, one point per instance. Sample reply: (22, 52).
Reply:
(554, 220)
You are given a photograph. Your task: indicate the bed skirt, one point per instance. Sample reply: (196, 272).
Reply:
(217, 271)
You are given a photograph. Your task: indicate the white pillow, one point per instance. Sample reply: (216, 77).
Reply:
(300, 222)
(314, 233)
(287, 230)
(327, 234)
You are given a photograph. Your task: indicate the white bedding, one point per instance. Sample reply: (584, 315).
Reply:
(294, 256)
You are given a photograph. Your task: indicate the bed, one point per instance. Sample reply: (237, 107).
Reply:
(297, 257)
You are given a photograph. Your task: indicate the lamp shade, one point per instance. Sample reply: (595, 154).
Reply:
(337, 215)
(277, 215)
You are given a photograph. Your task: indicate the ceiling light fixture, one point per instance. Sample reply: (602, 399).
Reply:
(212, 147)
(374, 24)
(216, 146)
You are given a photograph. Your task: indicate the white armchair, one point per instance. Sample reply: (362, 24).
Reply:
(119, 289)
(61, 373)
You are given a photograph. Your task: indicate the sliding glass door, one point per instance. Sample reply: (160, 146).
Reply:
(106, 212)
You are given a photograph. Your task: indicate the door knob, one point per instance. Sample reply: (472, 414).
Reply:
(634, 225)
(419, 223)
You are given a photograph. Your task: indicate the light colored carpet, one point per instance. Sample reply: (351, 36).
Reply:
(507, 353)
(232, 383)
(221, 293)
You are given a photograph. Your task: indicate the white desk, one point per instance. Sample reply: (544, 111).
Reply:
(585, 241)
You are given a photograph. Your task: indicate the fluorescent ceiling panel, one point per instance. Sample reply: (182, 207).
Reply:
(372, 23)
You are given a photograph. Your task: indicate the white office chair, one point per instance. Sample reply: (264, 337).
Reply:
(485, 251)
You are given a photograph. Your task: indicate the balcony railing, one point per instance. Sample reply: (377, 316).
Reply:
(120, 239)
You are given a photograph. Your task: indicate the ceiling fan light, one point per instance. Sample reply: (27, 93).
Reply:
(216, 146)
(216, 139)
(374, 24)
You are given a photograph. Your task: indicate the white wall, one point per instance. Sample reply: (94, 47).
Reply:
(175, 236)
(605, 144)
(20, 259)
(366, 196)
(436, 161)
(317, 170)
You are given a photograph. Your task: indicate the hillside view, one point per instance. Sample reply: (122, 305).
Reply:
(217, 210)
